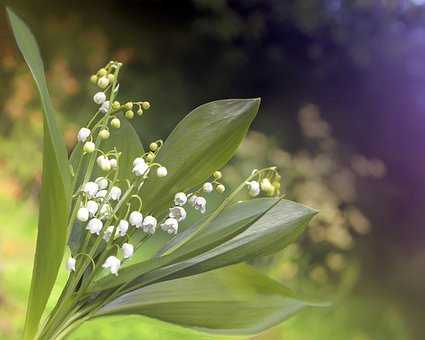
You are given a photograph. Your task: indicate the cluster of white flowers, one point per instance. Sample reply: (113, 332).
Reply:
(264, 184)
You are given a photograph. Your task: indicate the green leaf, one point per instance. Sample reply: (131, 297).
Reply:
(204, 141)
(278, 227)
(233, 300)
(126, 141)
(56, 187)
(229, 223)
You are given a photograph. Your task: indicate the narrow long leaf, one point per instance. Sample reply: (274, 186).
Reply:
(232, 300)
(55, 192)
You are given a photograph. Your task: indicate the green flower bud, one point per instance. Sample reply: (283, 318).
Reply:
(150, 156)
(93, 79)
(104, 134)
(103, 82)
(128, 105)
(153, 146)
(146, 105)
(217, 174)
(89, 147)
(139, 112)
(115, 123)
(116, 105)
(276, 184)
(102, 72)
(220, 188)
(111, 77)
(129, 114)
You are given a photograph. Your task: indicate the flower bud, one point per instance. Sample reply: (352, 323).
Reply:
(253, 188)
(89, 147)
(146, 105)
(99, 98)
(161, 171)
(83, 134)
(116, 105)
(217, 174)
(153, 146)
(111, 77)
(83, 215)
(102, 72)
(128, 105)
(103, 82)
(93, 79)
(207, 187)
(104, 134)
(220, 188)
(129, 114)
(266, 185)
(114, 163)
(150, 157)
(115, 123)
(140, 112)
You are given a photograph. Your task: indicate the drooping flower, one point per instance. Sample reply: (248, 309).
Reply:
(104, 108)
(83, 214)
(170, 225)
(90, 188)
(108, 233)
(161, 171)
(113, 263)
(178, 213)
(83, 134)
(94, 226)
(122, 227)
(70, 265)
(207, 187)
(136, 219)
(139, 166)
(99, 98)
(200, 204)
(104, 163)
(105, 211)
(115, 193)
(128, 250)
(253, 188)
(114, 163)
(180, 199)
(102, 182)
(89, 147)
(192, 199)
(101, 193)
(149, 224)
(92, 207)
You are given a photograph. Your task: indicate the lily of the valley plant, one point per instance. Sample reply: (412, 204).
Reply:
(142, 233)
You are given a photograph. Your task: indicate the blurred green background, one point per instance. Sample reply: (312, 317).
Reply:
(342, 116)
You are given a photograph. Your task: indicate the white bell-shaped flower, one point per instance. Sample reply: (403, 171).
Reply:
(108, 233)
(128, 250)
(200, 204)
(70, 265)
(178, 213)
(102, 182)
(104, 108)
(113, 263)
(114, 163)
(94, 226)
(170, 225)
(101, 193)
(161, 171)
(99, 98)
(122, 227)
(92, 207)
(83, 214)
(83, 134)
(192, 199)
(140, 167)
(105, 211)
(115, 193)
(136, 219)
(104, 163)
(207, 187)
(253, 188)
(149, 224)
(90, 188)
(180, 199)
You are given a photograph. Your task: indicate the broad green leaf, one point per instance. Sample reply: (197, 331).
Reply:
(229, 223)
(233, 300)
(278, 227)
(126, 141)
(204, 141)
(56, 187)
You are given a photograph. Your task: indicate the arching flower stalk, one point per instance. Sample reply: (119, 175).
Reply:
(145, 226)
